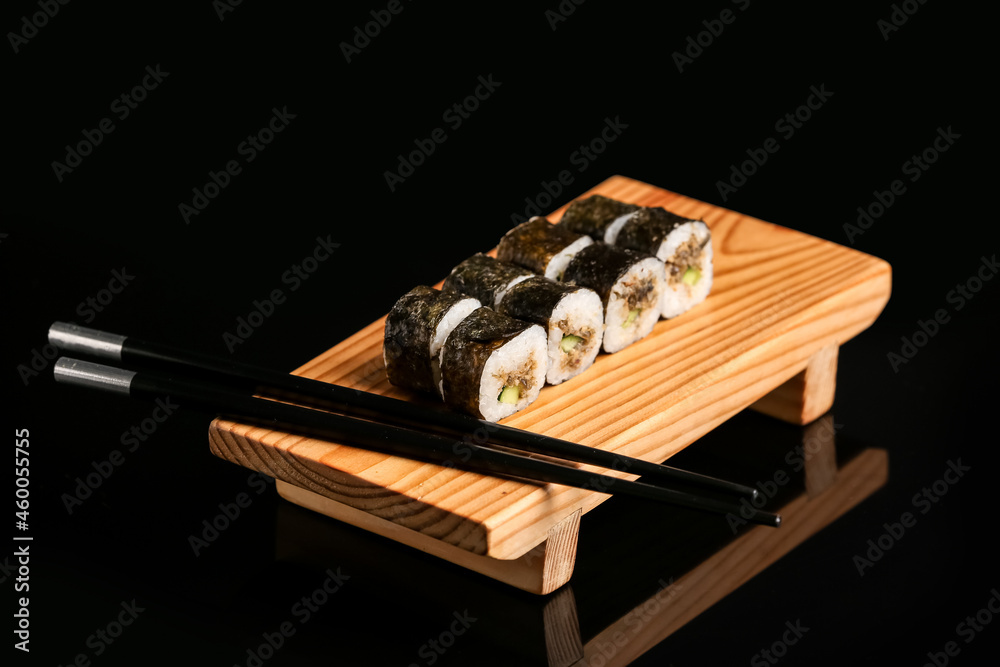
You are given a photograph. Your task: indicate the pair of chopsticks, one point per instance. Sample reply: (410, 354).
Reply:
(366, 420)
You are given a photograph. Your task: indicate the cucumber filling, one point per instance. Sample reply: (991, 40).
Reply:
(509, 395)
(632, 315)
(691, 276)
(569, 342)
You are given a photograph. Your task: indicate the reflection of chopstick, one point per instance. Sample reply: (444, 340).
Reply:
(223, 386)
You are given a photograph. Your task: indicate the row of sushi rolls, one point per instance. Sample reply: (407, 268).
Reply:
(499, 329)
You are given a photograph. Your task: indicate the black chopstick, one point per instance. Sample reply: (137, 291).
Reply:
(352, 402)
(224, 400)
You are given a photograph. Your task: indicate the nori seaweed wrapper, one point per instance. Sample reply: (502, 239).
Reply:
(482, 276)
(534, 243)
(466, 351)
(592, 215)
(599, 266)
(648, 228)
(409, 328)
(534, 299)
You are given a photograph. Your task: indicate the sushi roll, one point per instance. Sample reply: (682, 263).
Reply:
(598, 216)
(572, 315)
(541, 246)
(485, 278)
(415, 331)
(683, 244)
(493, 365)
(630, 285)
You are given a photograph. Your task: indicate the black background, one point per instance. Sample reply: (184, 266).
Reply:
(323, 176)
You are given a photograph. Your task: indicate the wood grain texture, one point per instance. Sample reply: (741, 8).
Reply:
(541, 570)
(808, 395)
(779, 297)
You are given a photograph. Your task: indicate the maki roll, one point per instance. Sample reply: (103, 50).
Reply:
(630, 285)
(541, 246)
(493, 365)
(485, 278)
(572, 315)
(683, 244)
(598, 216)
(415, 330)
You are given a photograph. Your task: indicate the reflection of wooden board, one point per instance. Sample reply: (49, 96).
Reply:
(691, 594)
(781, 304)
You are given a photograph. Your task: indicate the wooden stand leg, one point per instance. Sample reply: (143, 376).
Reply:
(806, 396)
(542, 570)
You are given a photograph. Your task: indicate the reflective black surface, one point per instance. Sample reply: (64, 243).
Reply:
(121, 492)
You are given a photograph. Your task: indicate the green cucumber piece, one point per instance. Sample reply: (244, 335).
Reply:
(691, 276)
(509, 395)
(632, 315)
(568, 342)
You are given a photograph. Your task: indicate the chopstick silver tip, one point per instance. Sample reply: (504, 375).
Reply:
(74, 338)
(88, 374)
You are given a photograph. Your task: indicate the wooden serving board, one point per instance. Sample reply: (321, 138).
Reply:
(766, 337)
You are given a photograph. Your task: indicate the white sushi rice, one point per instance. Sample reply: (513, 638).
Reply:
(501, 293)
(580, 314)
(523, 359)
(678, 298)
(618, 335)
(612, 230)
(557, 265)
(451, 319)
